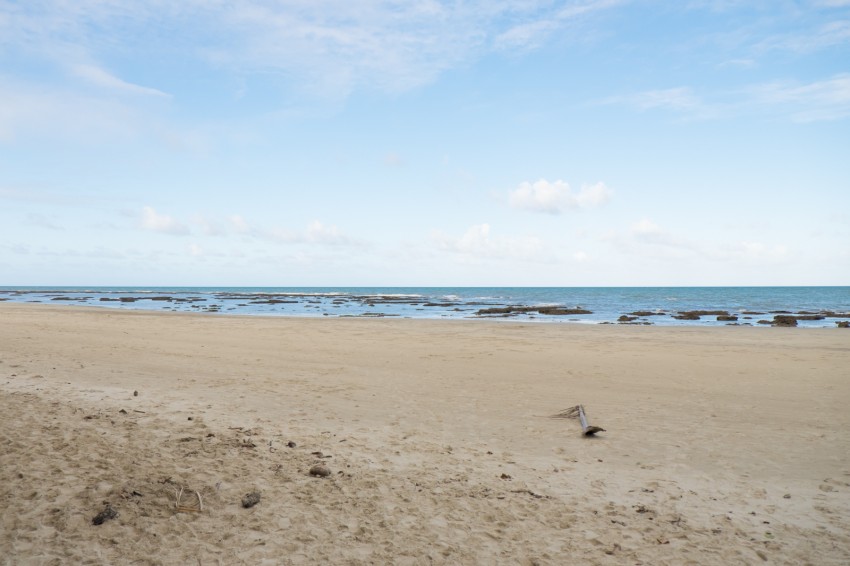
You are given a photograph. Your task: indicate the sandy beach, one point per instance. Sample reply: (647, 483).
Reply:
(722, 445)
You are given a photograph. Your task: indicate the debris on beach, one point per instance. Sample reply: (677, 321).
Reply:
(577, 412)
(105, 515)
(196, 507)
(251, 499)
(320, 471)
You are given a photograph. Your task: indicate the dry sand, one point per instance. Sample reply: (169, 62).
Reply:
(723, 445)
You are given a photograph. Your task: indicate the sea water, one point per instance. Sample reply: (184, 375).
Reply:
(605, 304)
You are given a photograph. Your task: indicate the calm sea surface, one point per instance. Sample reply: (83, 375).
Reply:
(605, 304)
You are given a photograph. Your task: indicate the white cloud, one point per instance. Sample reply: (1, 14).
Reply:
(315, 233)
(42, 221)
(555, 197)
(102, 78)
(541, 196)
(592, 195)
(679, 98)
(747, 251)
(210, 227)
(332, 46)
(329, 235)
(828, 99)
(532, 34)
(29, 110)
(162, 223)
(648, 233)
(644, 227)
(46, 111)
(648, 240)
(239, 224)
(829, 34)
(477, 243)
(393, 160)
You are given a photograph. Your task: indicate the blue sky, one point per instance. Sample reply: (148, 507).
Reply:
(500, 142)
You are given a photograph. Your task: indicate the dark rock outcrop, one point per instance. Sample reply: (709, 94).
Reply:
(517, 309)
(784, 320)
(695, 315)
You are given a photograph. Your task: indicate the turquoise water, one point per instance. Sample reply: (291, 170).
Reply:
(606, 304)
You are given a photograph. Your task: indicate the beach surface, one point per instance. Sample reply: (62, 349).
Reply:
(722, 445)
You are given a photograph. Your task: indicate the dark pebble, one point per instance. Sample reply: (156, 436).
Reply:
(105, 515)
(320, 471)
(251, 499)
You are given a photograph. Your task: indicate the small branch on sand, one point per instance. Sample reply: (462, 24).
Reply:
(577, 412)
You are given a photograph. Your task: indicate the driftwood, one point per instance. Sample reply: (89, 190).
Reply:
(577, 412)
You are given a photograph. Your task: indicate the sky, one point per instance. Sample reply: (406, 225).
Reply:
(425, 142)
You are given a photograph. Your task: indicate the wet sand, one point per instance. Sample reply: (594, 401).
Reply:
(722, 445)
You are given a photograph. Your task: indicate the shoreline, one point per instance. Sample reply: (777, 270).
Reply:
(343, 303)
(439, 442)
(91, 309)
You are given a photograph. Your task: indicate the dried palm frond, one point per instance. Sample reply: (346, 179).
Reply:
(197, 507)
(571, 413)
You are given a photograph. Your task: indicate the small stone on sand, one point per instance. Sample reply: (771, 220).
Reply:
(251, 499)
(320, 471)
(105, 515)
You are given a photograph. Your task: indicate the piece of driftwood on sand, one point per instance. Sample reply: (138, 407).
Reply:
(577, 412)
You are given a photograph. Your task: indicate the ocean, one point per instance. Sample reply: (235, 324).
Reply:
(667, 306)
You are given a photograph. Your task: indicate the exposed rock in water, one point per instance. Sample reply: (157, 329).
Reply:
(784, 320)
(726, 318)
(790, 319)
(551, 310)
(498, 310)
(695, 315)
(625, 318)
(562, 311)
(686, 316)
(843, 323)
(647, 313)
